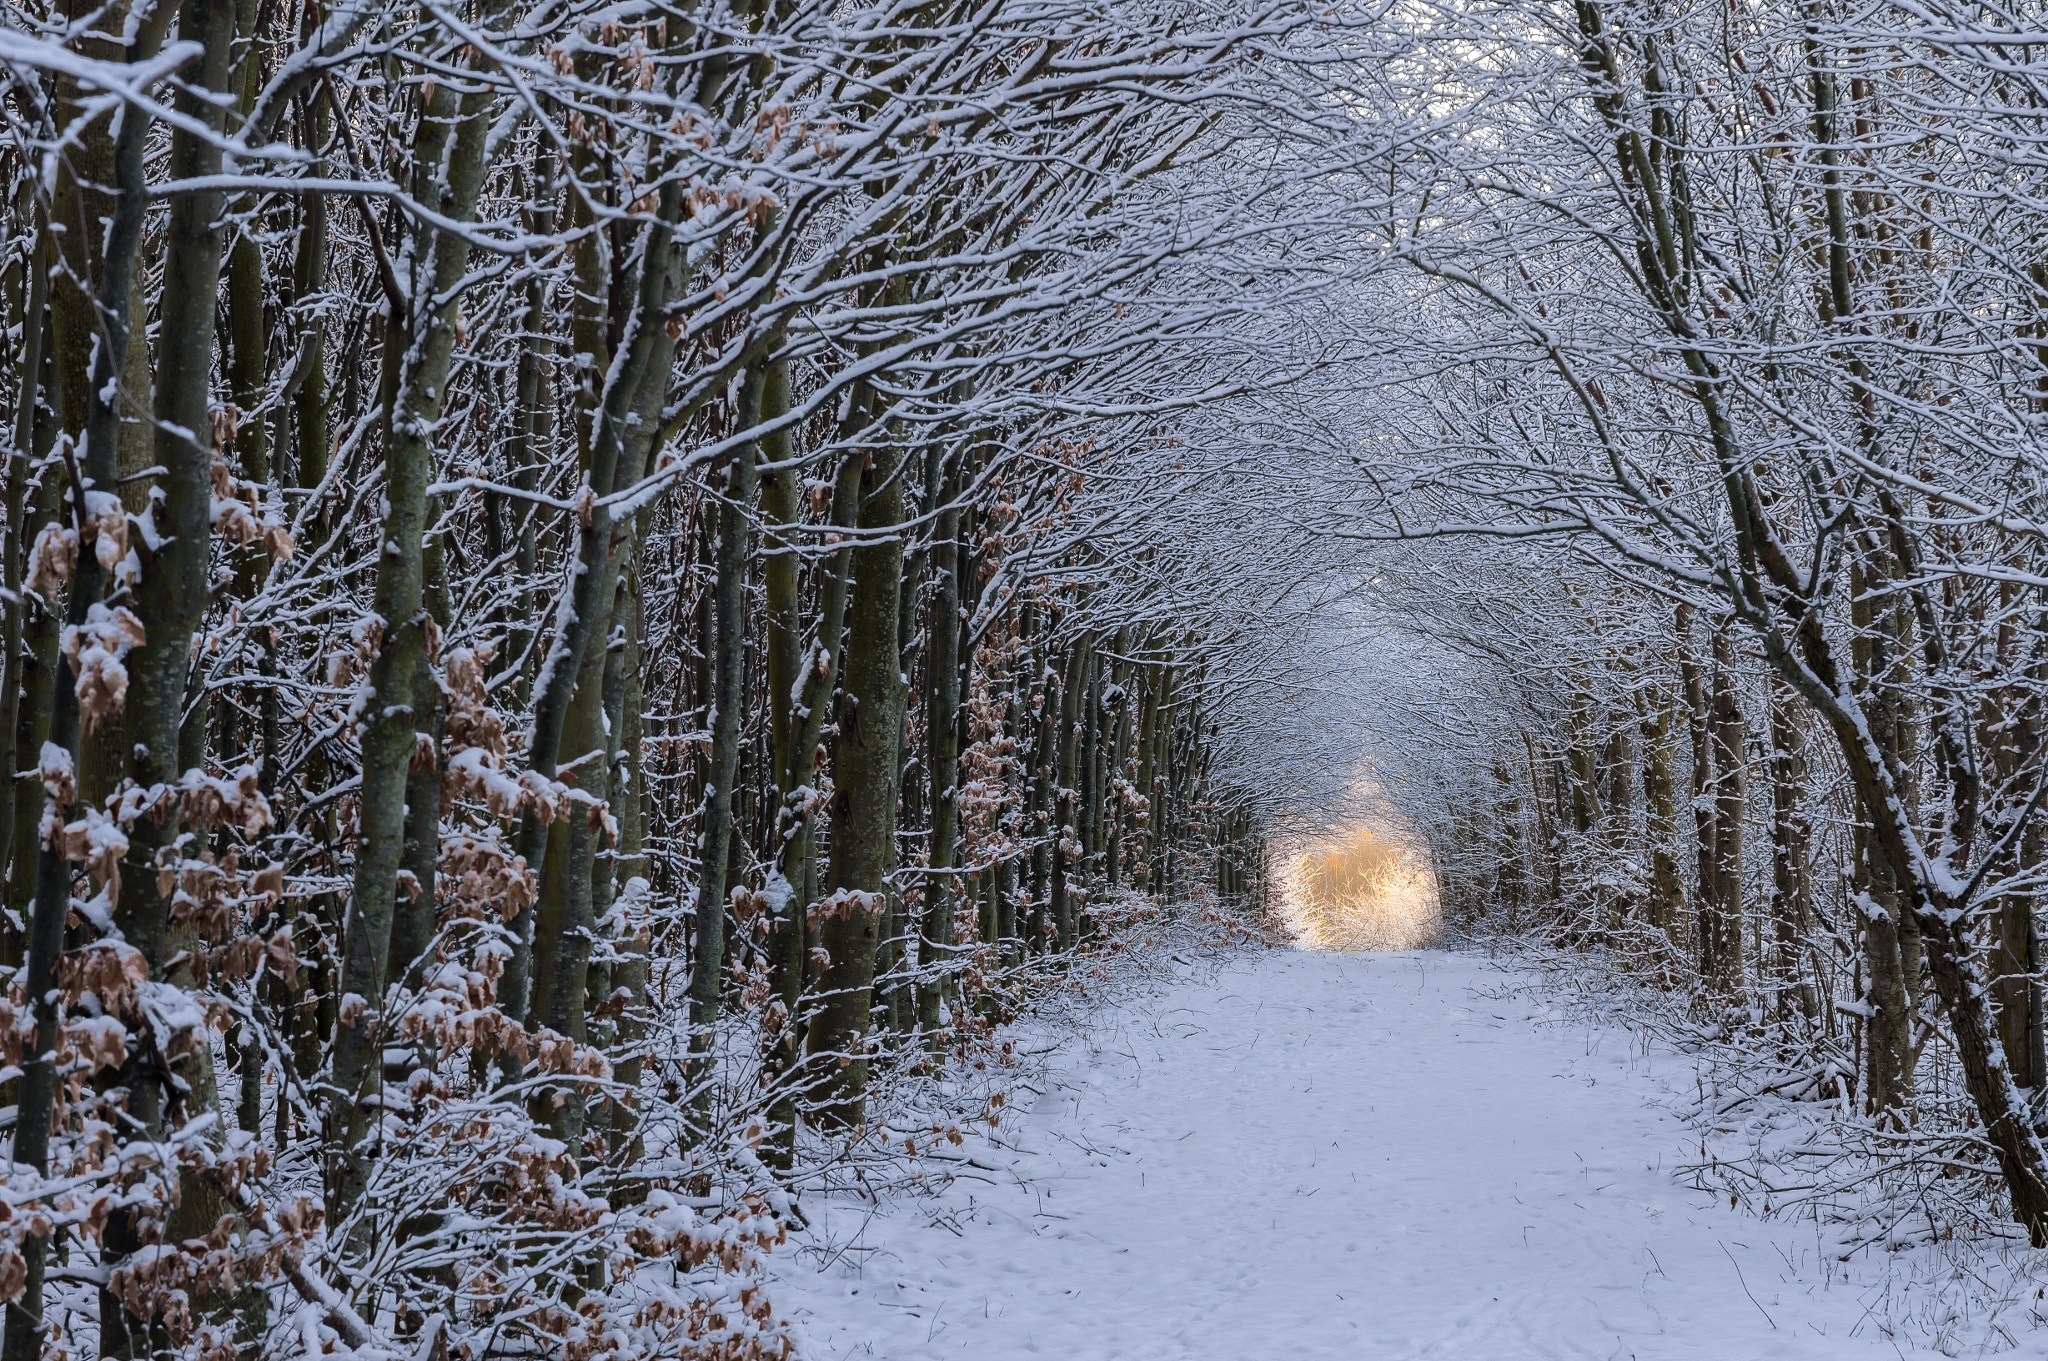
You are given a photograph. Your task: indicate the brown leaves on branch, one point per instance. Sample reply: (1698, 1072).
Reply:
(99, 843)
(112, 972)
(472, 774)
(483, 878)
(211, 802)
(472, 722)
(51, 561)
(476, 765)
(848, 903)
(230, 1258)
(237, 514)
(96, 649)
(238, 959)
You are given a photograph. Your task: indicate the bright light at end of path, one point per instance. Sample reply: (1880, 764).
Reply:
(1361, 889)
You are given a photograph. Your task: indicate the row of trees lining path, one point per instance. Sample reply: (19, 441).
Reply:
(1701, 441)
(576, 577)
(584, 584)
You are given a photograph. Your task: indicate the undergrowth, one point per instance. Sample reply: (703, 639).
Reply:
(1915, 1218)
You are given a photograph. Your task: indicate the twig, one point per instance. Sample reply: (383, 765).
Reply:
(1745, 1286)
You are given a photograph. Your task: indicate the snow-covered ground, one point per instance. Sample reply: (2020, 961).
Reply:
(1349, 1156)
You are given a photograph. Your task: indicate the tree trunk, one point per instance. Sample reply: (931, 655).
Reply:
(1699, 728)
(728, 651)
(1072, 688)
(942, 752)
(1660, 814)
(864, 767)
(800, 686)
(1721, 929)
(1791, 851)
(618, 443)
(1879, 902)
(32, 284)
(453, 128)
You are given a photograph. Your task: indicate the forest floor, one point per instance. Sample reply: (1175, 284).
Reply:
(1304, 1155)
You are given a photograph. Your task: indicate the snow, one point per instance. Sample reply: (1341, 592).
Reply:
(1348, 1156)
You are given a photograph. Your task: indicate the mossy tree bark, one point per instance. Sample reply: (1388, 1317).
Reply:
(169, 600)
(447, 170)
(863, 806)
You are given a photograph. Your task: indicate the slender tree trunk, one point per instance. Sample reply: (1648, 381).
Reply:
(1615, 790)
(412, 923)
(942, 752)
(800, 685)
(1660, 812)
(309, 281)
(1706, 830)
(1722, 929)
(170, 600)
(1089, 811)
(728, 651)
(1888, 1022)
(633, 947)
(2008, 740)
(448, 161)
(863, 803)
(1072, 687)
(1120, 772)
(33, 283)
(532, 415)
(1147, 815)
(1791, 851)
(96, 465)
(619, 444)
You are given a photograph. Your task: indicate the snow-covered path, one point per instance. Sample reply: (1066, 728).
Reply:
(1347, 1156)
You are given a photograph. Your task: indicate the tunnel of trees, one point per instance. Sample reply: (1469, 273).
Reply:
(584, 583)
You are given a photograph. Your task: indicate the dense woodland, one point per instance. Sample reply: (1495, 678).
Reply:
(559, 607)
(585, 584)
